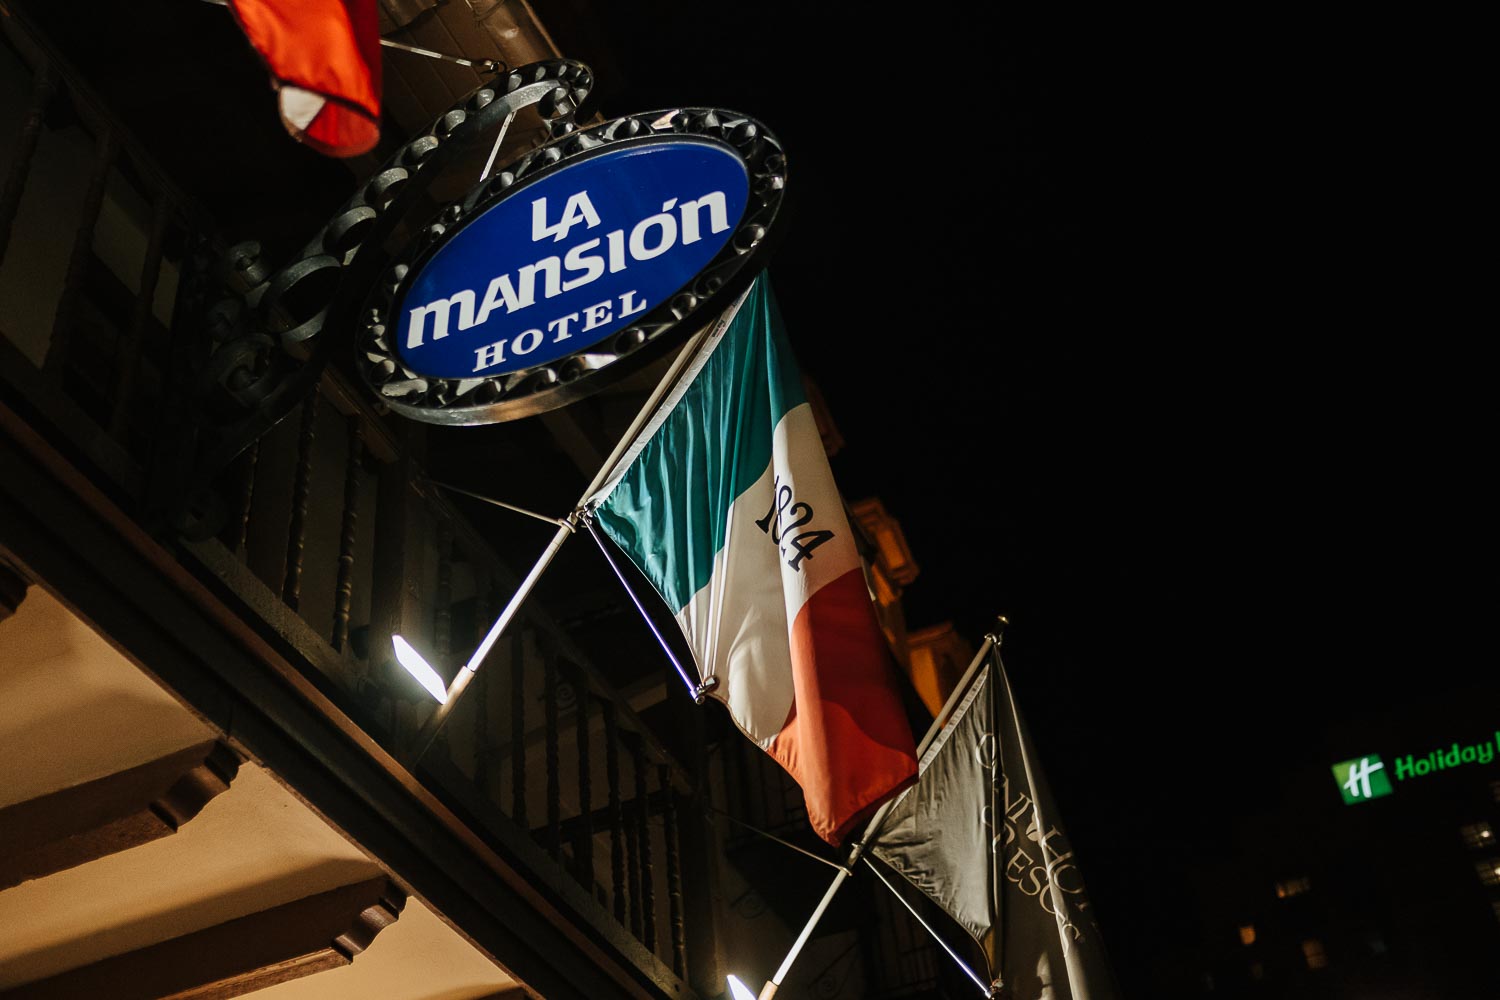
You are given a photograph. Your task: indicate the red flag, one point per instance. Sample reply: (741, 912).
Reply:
(324, 58)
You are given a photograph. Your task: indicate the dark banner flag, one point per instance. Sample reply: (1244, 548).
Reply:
(986, 844)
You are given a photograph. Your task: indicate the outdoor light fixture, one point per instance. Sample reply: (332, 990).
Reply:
(738, 990)
(420, 669)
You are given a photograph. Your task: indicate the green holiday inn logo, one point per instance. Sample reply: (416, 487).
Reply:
(1362, 778)
(1368, 777)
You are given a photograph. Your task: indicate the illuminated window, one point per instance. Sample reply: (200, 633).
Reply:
(1247, 934)
(1312, 950)
(1292, 887)
(1489, 871)
(1477, 835)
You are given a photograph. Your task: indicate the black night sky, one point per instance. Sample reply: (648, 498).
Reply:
(1134, 327)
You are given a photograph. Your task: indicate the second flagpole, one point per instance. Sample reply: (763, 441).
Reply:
(858, 850)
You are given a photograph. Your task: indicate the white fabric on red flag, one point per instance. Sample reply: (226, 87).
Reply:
(728, 506)
(324, 58)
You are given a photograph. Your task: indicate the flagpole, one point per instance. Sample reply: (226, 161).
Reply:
(698, 691)
(456, 689)
(566, 527)
(997, 808)
(992, 640)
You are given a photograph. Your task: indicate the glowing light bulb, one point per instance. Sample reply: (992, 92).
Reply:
(738, 990)
(420, 669)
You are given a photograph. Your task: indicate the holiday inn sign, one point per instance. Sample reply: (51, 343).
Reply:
(1369, 777)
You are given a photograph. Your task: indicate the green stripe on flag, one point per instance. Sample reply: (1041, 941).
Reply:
(670, 511)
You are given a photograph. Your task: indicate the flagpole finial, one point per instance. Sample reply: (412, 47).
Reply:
(999, 631)
(702, 690)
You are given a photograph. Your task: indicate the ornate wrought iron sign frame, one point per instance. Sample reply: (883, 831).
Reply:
(549, 385)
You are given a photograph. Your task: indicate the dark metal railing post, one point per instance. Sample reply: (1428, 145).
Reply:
(616, 812)
(442, 598)
(518, 729)
(487, 742)
(633, 865)
(238, 534)
(554, 769)
(296, 541)
(643, 825)
(583, 842)
(674, 869)
(343, 593)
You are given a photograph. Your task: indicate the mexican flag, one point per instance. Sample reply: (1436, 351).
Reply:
(727, 504)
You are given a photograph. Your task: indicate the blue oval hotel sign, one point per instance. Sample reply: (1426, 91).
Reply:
(560, 264)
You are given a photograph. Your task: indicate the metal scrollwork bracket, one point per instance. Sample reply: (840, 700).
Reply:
(266, 329)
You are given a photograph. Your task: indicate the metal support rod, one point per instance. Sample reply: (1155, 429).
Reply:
(858, 850)
(484, 65)
(928, 927)
(694, 689)
(489, 164)
(784, 843)
(499, 503)
(566, 525)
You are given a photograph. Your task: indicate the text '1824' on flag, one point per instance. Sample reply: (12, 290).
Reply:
(980, 835)
(727, 505)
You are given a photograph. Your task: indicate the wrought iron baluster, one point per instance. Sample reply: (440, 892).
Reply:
(554, 789)
(106, 147)
(486, 741)
(482, 747)
(633, 867)
(238, 534)
(442, 612)
(43, 86)
(674, 869)
(583, 848)
(616, 812)
(291, 588)
(140, 318)
(643, 822)
(518, 729)
(343, 594)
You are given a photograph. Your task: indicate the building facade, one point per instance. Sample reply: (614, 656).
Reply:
(216, 779)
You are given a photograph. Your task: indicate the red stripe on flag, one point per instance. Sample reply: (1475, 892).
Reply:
(847, 740)
(326, 47)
